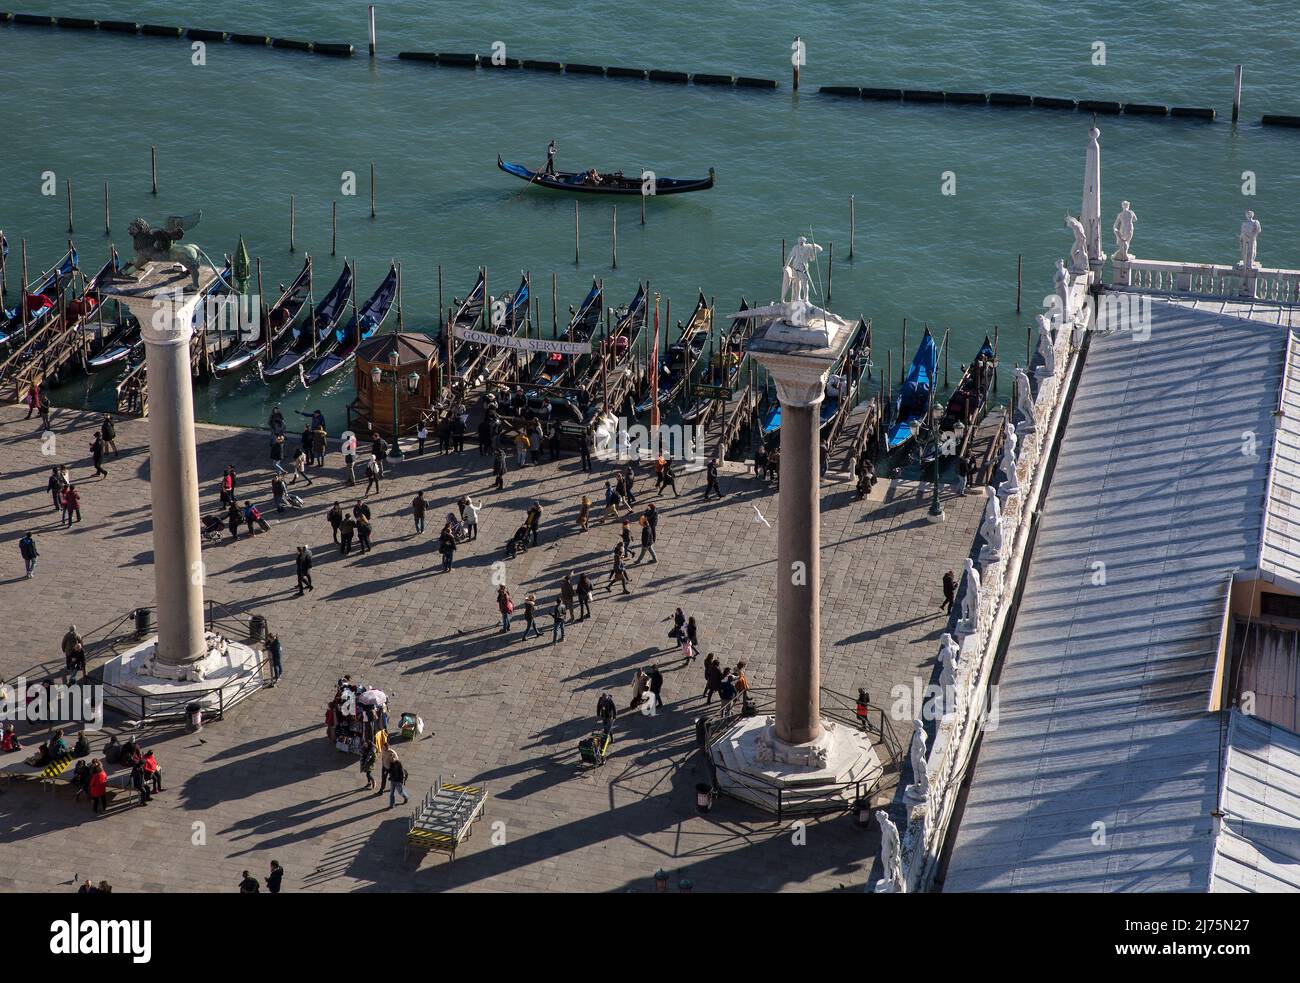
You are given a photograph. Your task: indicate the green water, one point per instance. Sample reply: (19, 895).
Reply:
(238, 136)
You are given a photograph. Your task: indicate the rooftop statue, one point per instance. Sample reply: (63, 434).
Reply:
(160, 245)
(891, 879)
(1124, 223)
(920, 786)
(1250, 230)
(1079, 254)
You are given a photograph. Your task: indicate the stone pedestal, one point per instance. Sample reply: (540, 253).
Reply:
(760, 768)
(137, 684)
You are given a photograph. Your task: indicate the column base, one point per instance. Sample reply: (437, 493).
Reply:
(137, 685)
(753, 764)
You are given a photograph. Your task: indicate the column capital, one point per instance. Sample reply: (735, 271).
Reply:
(162, 298)
(800, 380)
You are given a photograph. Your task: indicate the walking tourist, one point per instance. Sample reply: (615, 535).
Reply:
(27, 550)
(302, 566)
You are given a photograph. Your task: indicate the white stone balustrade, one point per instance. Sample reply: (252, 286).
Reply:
(1208, 279)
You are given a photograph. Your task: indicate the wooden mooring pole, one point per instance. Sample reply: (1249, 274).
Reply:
(1236, 93)
(334, 227)
(830, 272)
(153, 167)
(1017, 283)
(614, 239)
(371, 17)
(902, 358)
(852, 225)
(945, 358)
(555, 316)
(68, 182)
(795, 48)
(108, 225)
(372, 176)
(995, 356)
(577, 238)
(293, 210)
(441, 323)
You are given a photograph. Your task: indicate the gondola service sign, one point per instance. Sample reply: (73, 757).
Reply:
(522, 344)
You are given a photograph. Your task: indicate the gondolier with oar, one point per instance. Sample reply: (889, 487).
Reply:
(550, 158)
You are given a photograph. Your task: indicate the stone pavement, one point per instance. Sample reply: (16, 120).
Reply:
(263, 784)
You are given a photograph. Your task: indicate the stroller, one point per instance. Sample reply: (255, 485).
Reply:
(518, 543)
(594, 750)
(458, 528)
(212, 527)
(411, 726)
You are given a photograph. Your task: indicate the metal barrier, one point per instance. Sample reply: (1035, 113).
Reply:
(836, 707)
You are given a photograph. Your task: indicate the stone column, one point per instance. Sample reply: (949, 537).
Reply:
(166, 311)
(800, 384)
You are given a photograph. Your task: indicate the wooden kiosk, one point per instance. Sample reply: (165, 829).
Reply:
(395, 373)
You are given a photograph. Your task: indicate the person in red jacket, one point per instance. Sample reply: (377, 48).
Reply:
(98, 787)
(151, 771)
(71, 505)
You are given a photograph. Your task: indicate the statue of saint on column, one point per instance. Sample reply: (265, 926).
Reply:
(796, 284)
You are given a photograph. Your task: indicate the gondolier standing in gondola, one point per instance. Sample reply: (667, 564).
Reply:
(550, 158)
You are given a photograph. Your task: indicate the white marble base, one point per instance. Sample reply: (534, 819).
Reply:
(754, 765)
(135, 685)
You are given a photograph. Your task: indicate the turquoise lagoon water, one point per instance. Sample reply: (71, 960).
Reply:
(238, 136)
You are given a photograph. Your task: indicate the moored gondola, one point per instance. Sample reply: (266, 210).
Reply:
(42, 300)
(842, 382)
(592, 182)
(279, 320)
(677, 364)
(363, 324)
(966, 404)
(556, 368)
(514, 311)
(722, 371)
(320, 323)
(913, 401)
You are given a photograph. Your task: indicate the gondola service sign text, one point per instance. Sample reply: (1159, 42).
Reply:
(523, 344)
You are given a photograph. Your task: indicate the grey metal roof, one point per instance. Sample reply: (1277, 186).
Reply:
(1258, 849)
(1280, 545)
(1102, 699)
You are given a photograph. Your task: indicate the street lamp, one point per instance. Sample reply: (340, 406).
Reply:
(936, 507)
(395, 451)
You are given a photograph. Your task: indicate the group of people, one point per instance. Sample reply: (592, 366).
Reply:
(248, 883)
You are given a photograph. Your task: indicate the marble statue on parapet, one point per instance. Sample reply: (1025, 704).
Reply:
(795, 280)
(1250, 230)
(991, 528)
(1079, 254)
(1024, 402)
(161, 245)
(970, 601)
(949, 650)
(1010, 483)
(948, 675)
(891, 856)
(920, 787)
(1123, 228)
(1046, 348)
(1063, 281)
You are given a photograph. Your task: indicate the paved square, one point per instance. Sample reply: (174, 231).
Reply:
(265, 784)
